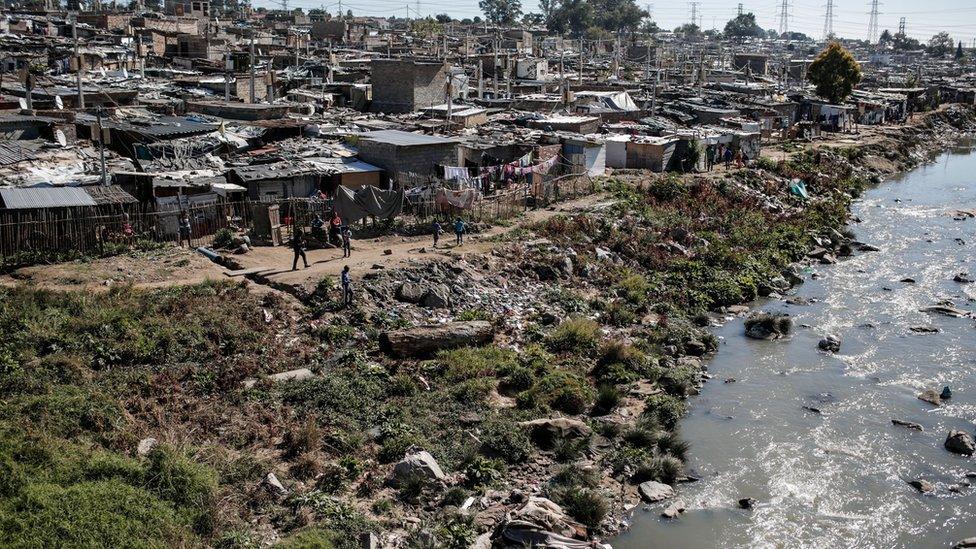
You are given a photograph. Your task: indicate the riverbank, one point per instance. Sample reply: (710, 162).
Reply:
(597, 321)
(828, 444)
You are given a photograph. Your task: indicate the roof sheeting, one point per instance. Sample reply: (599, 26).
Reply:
(405, 139)
(45, 197)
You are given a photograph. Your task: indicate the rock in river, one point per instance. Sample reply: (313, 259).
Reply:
(931, 396)
(907, 424)
(747, 503)
(960, 442)
(653, 492)
(768, 326)
(965, 543)
(923, 486)
(830, 343)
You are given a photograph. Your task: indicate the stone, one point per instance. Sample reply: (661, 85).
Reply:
(146, 446)
(427, 340)
(960, 442)
(946, 393)
(368, 540)
(273, 485)
(410, 292)
(930, 396)
(387, 252)
(437, 297)
(768, 326)
(906, 424)
(922, 486)
(653, 492)
(946, 309)
(830, 343)
(673, 511)
(924, 329)
(967, 543)
(418, 463)
(301, 374)
(747, 503)
(551, 429)
(963, 278)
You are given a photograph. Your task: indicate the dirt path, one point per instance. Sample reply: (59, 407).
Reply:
(173, 266)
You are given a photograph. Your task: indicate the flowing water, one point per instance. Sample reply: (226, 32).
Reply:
(838, 479)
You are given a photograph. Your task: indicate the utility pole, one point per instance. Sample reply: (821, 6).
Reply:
(101, 142)
(829, 20)
(74, 34)
(873, 22)
(227, 68)
(581, 61)
(901, 26)
(784, 16)
(449, 89)
(494, 71)
(739, 12)
(694, 12)
(253, 68)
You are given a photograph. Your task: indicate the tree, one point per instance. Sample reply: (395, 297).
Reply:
(501, 12)
(617, 15)
(959, 52)
(533, 19)
(795, 36)
(425, 28)
(649, 26)
(744, 26)
(476, 19)
(688, 30)
(572, 16)
(901, 42)
(834, 72)
(941, 44)
(886, 38)
(443, 18)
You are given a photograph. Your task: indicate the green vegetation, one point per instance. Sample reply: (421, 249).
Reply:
(834, 72)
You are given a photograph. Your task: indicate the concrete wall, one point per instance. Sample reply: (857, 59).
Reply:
(418, 159)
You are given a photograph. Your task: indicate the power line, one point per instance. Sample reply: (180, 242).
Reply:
(901, 26)
(873, 23)
(829, 20)
(784, 16)
(694, 12)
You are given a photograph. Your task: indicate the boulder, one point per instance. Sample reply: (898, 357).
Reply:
(410, 292)
(673, 511)
(551, 429)
(960, 442)
(273, 485)
(146, 446)
(653, 492)
(301, 374)
(830, 343)
(768, 326)
(747, 503)
(424, 341)
(965, 543)
(419, 463)
(907, 424)
(963, 278)
(437, 297)
(946, 309)
(922, 486)
(931, 396)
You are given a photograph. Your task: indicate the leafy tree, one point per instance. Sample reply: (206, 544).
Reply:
(650, 27)
(572, 16)
(425, 28)
(443, 18)
(959, 52)
(533, 19)
(618, 15)
(467, 21)
(688, 30)
(744, 26)
(901, 42)
(772, 34)
(795, 36)
(501, 12)
(834, 72)
(349, 14)
(885, 39)
(941, 44)
(477, 19)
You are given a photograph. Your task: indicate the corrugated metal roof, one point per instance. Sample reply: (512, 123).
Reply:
(45, 197)
(405, 139)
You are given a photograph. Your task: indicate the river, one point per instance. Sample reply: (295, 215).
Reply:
(838, 479)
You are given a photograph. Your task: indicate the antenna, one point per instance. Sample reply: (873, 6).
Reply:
(740, 9)
(784, 16)
(873, 23)
(829, 20)
(694, 12)
(418, 9)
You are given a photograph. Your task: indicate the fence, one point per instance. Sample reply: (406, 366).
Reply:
(46, 235)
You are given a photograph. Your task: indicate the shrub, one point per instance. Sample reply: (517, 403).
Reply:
(223, 238)
(667, 188)
(505, 440)
(560, 390)
(664, 469)
(309, 538)
(382, 506)
(679, 380)
(307, 466)
(576, 335)
(566, 449)
(303, 437)
(474, 362)
(672, 444)
(481, 472)
(412, 485)
(666, 410)
(576, 476)
(454, 497)
(607, 399)
(402, 385)
(516, 379)
(395, 447)
(89, 514)
(586, 505)
(620, 363)
(190, 486)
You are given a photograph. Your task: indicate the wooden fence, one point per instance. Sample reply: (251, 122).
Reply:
(51, 235)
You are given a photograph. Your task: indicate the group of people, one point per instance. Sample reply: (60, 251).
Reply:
(724, 153)
(339, 234)
(460, 227)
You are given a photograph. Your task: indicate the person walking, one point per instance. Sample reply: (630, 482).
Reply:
(436, 229)
(186, 230)
(298, 246)
(346, 281)
(729, 155)
(335, 226)
(346, 233)
(459, 230)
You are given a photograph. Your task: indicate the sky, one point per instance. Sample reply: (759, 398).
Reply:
(923, 18)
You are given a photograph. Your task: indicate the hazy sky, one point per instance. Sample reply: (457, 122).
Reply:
(923, 18)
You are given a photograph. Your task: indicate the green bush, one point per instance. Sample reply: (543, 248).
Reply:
(190, 486)
(504, 439)
(223, 238)
(666, 410)
(89, 514)
(608, 397)
(560, 390)
(587, 506)
(309, 538)
(481, 472)
(664, 469)
(474, 362)
(576, 335)
(620, 363)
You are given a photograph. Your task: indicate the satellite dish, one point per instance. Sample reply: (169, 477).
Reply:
(58, 103)
(22, 102)
(61, 139)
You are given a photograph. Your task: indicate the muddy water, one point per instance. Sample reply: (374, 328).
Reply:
(838, 479)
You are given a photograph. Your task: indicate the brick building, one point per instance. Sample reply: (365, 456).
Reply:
(400, 153)
(407, 85)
